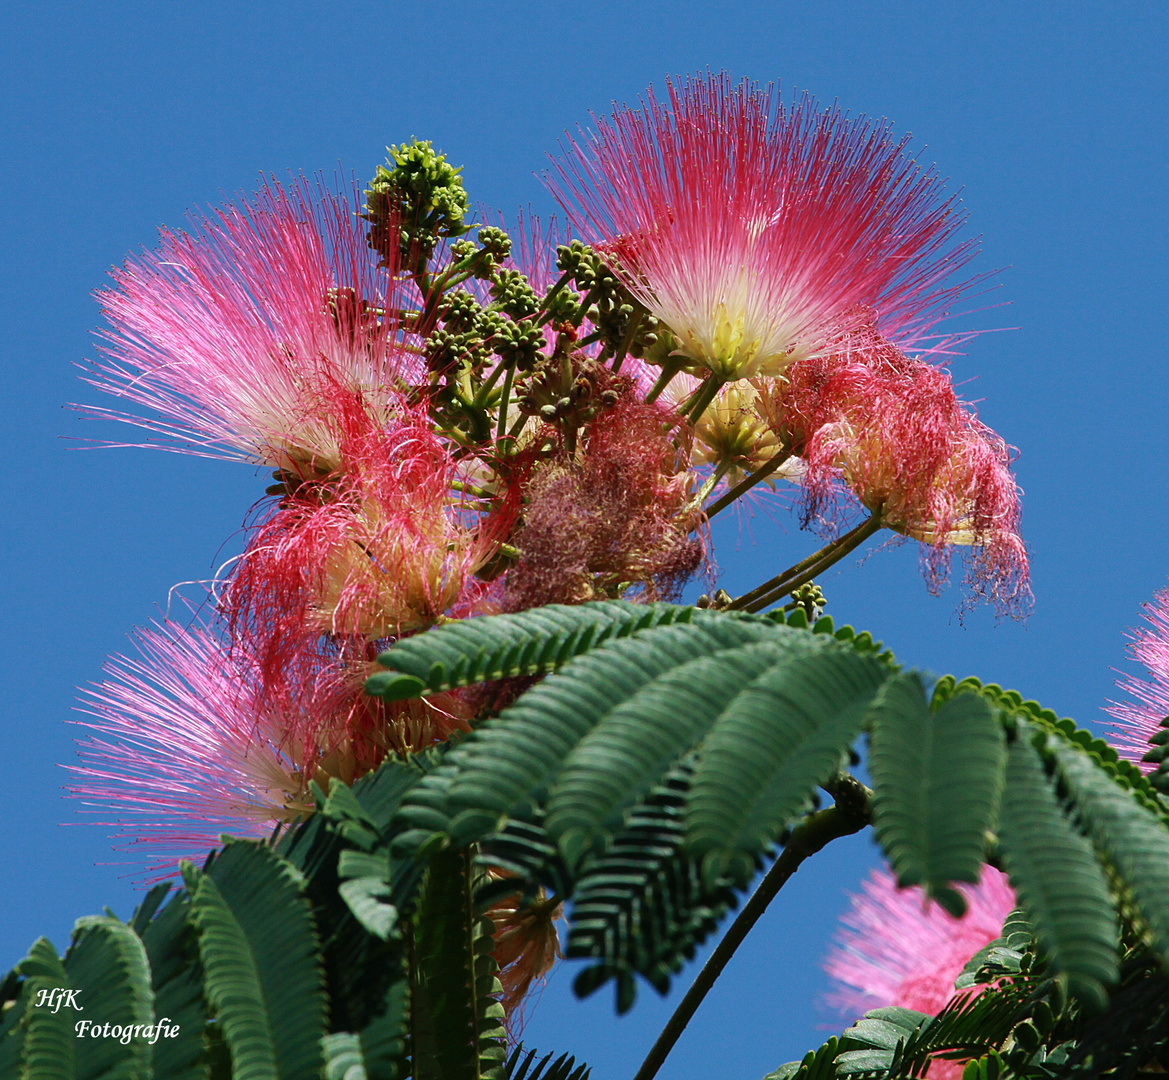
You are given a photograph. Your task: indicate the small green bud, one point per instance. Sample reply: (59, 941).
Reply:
(423, 192)
(513, 293)
(495, 242)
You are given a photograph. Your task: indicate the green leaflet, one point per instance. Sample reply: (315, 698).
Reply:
(177, 978)
(633, 745)
(1054, 871)
(505, 646)
(1131, 838)
(107, 965)
(644, 905)
(936, 783)
(261, 963)
(522, 1065)
(49, 1051)
(763, 760)
(375, 1053)
(508, 758)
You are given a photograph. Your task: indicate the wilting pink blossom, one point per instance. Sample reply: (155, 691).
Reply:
(750, 227)
(385, 546)
(893, 429)
(527, 946)
(230, 333)
(614, 519)
(894, 949)
(1138, 720)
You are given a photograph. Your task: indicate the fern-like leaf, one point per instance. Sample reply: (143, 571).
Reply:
(260, 957)
(635, 744)
(936, 783)
(107, 965)
(1132, 838)
(1054, 871)
(761, 763)
(505, 646)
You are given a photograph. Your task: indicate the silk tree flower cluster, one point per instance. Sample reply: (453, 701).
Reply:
(462, 420)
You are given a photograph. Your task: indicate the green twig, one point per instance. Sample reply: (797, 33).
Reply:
(746, 484)
(849, 815)
(635, 321)
(803, 571)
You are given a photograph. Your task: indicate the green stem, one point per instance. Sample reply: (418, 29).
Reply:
(552, 293)
(504, 402)
(635, 321)
(803, 571)
(585, 304)
(815, 832)
(746, 484)
(664, 380)
(709, 486)
(702, 397)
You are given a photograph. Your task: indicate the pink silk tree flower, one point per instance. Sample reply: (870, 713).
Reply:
(384, 547)
(894, 431)
(895, 949)
(231, 332)
(1136, 721)
(189, 741)
(750, 227)
(182, 746)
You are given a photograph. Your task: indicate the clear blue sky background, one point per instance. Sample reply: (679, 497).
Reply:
(119, 116)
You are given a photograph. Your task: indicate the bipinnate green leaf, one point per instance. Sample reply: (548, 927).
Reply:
(502, 763)
(1132, 838)
(261, 961)
(172, 950)
(634, 744)
(506, 646)
(50, 1047)
(937, 776)
(107, 966)
(761, 763)
(1053, 869)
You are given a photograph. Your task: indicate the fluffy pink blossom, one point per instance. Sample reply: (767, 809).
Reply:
(895, 950)
(750, 227)
(189, 740)
(1138, 720)
(229, 333)
(182, 747)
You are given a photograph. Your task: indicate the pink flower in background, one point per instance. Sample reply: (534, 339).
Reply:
(750, 227)
(189, 741)
(1139, 720)
(231, 333)
(895, 950)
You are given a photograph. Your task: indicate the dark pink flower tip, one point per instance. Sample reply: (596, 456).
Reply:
(1136, 721)
(226, 333)
(749, 226)
(895, 949)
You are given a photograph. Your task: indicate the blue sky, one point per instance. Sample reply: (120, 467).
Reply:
(118, 117)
